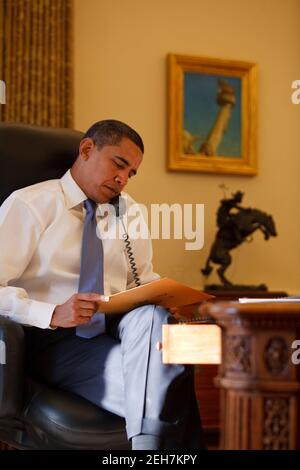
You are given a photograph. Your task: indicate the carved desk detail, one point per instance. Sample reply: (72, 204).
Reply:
(259, 383)
(238, 349)
(276, 355)
(276, 433)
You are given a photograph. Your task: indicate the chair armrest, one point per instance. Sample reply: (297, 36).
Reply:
(12, 351)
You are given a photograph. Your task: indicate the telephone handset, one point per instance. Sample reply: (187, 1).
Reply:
(120, 208)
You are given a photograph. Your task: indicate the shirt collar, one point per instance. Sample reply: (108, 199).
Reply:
(73, 193)
(75, 196)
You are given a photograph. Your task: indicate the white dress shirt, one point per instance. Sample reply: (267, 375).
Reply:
(40, 238)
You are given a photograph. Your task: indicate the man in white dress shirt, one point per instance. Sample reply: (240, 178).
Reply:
(41, 232)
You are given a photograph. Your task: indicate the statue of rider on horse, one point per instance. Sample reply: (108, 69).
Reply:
(235, 225)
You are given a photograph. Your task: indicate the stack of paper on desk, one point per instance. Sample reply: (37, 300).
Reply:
(165, 292)
(249, 300)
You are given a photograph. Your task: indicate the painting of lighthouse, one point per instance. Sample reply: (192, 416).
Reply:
(211, 115)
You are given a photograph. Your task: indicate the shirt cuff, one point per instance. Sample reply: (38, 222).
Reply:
(40, 314)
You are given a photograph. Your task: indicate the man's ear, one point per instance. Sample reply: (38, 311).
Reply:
(85, 147)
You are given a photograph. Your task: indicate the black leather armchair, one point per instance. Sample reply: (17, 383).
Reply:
(33, 415)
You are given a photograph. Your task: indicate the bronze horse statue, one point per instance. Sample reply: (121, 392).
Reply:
(234, 229)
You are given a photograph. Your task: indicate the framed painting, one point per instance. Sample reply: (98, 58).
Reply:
(211, 115)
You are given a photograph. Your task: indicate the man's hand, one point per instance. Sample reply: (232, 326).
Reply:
(77, 310)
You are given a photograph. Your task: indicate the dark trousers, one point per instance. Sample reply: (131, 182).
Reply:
(122, 372)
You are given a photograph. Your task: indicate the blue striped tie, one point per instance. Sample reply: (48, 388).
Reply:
(91, 269)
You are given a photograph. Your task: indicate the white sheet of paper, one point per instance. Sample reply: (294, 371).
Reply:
(248, 300)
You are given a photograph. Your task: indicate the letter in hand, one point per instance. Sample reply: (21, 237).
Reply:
(77, 310)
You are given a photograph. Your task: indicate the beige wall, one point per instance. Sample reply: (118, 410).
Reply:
(120, 72)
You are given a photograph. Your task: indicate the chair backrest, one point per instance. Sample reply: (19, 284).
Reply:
(30, 154)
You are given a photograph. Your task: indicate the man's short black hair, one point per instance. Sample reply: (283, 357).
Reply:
(111, 132)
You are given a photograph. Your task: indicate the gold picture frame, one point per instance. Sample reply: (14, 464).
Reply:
(212, 123)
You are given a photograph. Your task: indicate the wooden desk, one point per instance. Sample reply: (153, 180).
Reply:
(260, 384)
(229, 294)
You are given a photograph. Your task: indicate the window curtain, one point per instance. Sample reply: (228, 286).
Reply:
(36, 61)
